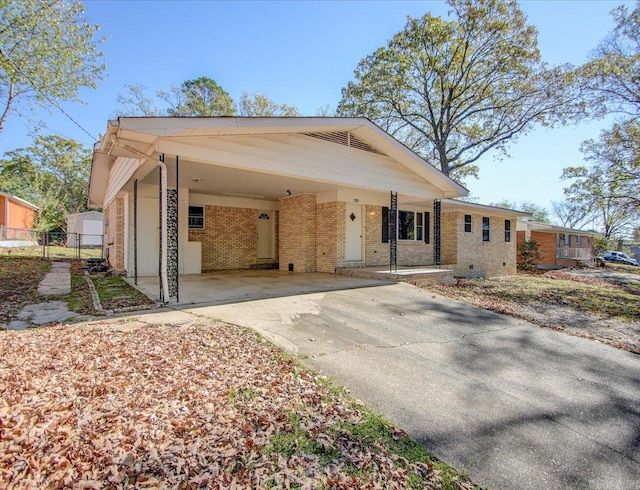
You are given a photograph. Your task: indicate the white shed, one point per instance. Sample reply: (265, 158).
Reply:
(85, 229)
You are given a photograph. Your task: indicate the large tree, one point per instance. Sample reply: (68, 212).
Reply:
(200, 97)
(52, 173)
(610, 185)
(260, 105)
(611, 78)
(135, 102)
(572, 214)
(47, 53)
(452, 90)
(538, 213)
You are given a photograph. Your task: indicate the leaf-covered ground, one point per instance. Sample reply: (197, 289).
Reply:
(123, 404)
(582, 305)
(19, 279)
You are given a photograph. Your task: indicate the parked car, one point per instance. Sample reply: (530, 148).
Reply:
(619, 257)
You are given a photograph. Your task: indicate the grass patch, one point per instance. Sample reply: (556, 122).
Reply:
(622, 301)
(375, 430)
(338, 443)
(114, 292)
(19, 279)
(630, 269)
(52, 252)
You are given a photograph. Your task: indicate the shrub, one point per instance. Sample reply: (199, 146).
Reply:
(528, 255)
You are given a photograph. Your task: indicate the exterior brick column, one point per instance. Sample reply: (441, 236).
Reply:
(114, 233)
(298, 233)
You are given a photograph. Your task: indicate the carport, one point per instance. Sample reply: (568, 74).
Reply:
(235, 286)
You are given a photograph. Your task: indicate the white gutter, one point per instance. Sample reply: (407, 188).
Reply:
(163, 221)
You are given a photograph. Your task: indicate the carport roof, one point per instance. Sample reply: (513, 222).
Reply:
(150, 136)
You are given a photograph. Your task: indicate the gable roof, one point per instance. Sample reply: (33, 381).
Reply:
(549, 228)
(27, 204)
(466, 206)
(208, 138)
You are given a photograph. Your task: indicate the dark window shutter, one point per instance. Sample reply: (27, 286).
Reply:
(385, 225)
(427, 227)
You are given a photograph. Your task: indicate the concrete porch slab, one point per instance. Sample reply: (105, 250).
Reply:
(225, 287)
(433, 274)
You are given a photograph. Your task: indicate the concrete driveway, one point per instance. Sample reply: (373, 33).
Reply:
(514, 405)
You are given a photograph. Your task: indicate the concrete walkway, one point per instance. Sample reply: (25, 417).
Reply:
(56, 282)
(513, 404)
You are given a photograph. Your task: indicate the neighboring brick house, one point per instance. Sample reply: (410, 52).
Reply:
(303, 194)
(558, 246)
(17, 217)
(16, 213)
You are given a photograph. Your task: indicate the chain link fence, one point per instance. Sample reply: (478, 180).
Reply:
(50, 244)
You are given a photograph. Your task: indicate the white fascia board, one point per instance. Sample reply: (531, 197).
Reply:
(146, 129)
(99, 179)
(454, 205)
(546, 227)
(20, 201)
(208, 126)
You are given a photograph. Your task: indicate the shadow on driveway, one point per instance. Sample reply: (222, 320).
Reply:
(513, 404)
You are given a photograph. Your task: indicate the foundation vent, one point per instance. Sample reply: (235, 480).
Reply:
(347, 139)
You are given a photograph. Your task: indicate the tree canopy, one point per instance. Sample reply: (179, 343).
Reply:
(452, 90)
(53, 173)
(200, 97)
(610, 186)
(539, 213)
(611, 79)
(47, 53)
(260, 105)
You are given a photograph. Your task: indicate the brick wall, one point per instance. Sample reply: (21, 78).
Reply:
(298, 232)
(450, 224)
(330, 236)
(114, 233)
(229, 238)
(493, 258)
(547, 243)
(377, 252)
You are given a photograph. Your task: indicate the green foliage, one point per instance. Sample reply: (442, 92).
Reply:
(602, 243)
(528, 255)
(610, 187)
(52, 173)
(260, 105)
(136, 103)
(200, 97)
(611, 79)
(539, 213)
(47, 53)
(452, 90)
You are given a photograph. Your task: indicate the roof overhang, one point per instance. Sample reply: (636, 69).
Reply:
(449, 205)
(206, 139)
(549, 228)
(20, 201)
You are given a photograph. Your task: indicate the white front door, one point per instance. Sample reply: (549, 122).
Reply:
(353, 250)
(265, 229)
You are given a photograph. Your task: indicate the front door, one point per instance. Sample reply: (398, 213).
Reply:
(353, 252)
(265, 229)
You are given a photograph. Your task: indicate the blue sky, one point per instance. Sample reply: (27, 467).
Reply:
(302, 53)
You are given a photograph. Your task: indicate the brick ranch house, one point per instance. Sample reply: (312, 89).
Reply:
(191, 195)
(559, 247)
